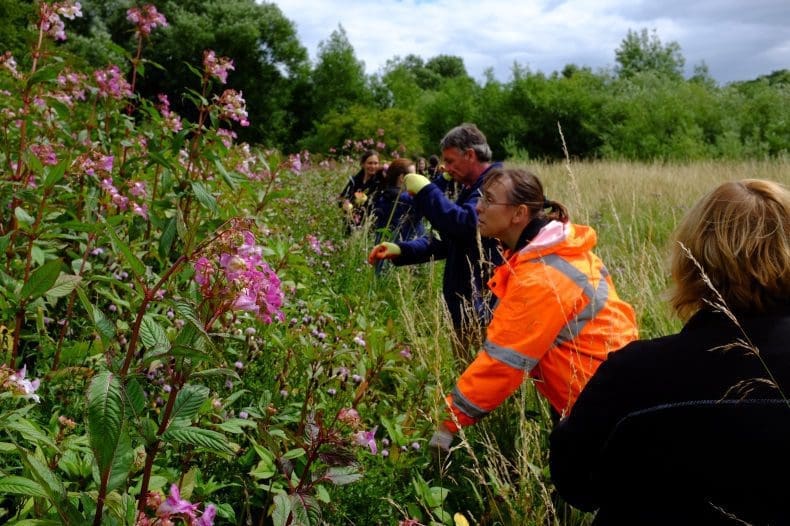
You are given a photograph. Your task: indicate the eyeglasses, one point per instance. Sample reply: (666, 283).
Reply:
(485, 200)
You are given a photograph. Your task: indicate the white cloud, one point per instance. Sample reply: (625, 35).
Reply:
(737, 40)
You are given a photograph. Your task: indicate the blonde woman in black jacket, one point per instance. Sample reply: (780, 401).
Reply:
(723, 380)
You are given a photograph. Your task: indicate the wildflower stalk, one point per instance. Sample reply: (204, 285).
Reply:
(70, 308)
(148, 296)
(151, 452)
(20, 313)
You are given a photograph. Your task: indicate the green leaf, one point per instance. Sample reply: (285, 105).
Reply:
(188, 402)
(64, 284)
(23, 217)
(340, 476)
(236, 425)
(196, 436)
(105, 418)
(31, 432)
(204, 196)
(153, 335)
(294, 453)
(48, 72)
(227, 177)
(167, 237)
(282, 510)
(55, 173)
(161, 160)
(47, 479)
(21, 486)
(322, 494)
(131, 259)
(135, 397)
(41, 280)
(121, 463)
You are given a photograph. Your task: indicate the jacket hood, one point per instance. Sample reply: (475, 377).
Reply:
(563, 239)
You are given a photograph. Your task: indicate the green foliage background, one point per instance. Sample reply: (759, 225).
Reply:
(641, 109)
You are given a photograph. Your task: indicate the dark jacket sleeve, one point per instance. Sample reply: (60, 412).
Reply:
(421, 250)
(348, 191)
(455, 220)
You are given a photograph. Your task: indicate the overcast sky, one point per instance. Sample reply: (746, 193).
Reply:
(737, 39)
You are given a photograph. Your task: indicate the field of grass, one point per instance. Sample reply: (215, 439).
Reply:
(499, 474)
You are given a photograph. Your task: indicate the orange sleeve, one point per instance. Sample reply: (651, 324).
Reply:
(525, 324)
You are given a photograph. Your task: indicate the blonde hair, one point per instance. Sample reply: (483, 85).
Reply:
(739, 234)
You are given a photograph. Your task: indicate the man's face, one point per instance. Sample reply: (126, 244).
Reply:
(459, 164)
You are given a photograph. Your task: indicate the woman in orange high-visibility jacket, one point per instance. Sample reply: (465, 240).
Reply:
(557, 317)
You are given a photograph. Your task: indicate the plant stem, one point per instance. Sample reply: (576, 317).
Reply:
(147, 297)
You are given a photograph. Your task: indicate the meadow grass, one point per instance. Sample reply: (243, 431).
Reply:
(498, 474)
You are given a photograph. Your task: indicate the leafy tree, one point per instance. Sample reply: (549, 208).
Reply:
(643, 51)
(15, 17)
(338, 78)
(393, 131)
(447, 66)
(268, 58)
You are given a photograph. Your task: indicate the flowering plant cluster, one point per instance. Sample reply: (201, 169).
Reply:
(232, 275)
(174, 508)
(17, 383)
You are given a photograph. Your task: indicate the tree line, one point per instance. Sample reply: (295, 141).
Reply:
(641, 109)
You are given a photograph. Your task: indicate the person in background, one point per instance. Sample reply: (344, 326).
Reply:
(558, 316)
(730, 268)
(396, 219)
(357, 196)
(467, 158)
(433, 167)
(438, 176)
(421, 166)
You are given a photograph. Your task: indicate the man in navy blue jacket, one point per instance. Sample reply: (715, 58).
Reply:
(467, 158)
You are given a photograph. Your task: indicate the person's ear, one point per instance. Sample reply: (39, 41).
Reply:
(522, 214)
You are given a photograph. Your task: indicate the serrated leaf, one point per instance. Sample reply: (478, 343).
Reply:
(103, 325)
(236, 425)
(21, 486)
(30, 432)
(121, 462)
(152, 334)
(282, 510)
(45, 478)
(188, 402)
(340, 476)
(105, 417)
(204, 197)
(64, 284)
(225, 511)
(129, 257)
(227, 177)
(200, 437)
(167, 237)
(41, 280)
(134, 396)
(305, 510)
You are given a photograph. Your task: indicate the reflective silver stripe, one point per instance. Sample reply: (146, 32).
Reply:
(597, 298)
(467, 407)
(509, 356)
